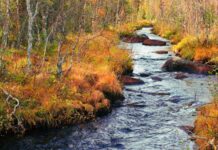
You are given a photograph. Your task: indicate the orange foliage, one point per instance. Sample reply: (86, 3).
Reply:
(101, 12)
(205, 54)
(206, 126)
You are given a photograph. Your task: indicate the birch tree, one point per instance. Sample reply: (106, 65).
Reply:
(31, 18)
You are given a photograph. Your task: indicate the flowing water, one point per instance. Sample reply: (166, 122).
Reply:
(149, 118)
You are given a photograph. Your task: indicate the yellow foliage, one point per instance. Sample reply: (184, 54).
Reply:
(130, 28)
(188, 41)
(214, 60)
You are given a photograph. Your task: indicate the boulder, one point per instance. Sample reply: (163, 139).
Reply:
(182, 65)
(127, 80)
(134, 38)
(150, 42)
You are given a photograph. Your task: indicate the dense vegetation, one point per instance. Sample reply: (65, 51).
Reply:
(191, 25)
(59, 62)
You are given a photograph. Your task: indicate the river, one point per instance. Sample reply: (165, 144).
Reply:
(148, 119)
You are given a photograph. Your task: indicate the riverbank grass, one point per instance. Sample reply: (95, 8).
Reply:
(129, 29)
(196, 48)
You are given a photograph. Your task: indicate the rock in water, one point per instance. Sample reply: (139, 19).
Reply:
(156, 78)
(150, 42)
(161, 52)
(145, 74)
(178, 64)
(134, 38)
(188, 129)
(127, 80)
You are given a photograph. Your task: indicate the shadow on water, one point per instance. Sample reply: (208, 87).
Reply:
(149, 118)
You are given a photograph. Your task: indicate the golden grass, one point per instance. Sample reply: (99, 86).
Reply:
(130, 28)
(206, 128)
(168, 31)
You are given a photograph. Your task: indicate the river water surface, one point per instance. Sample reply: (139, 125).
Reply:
(149, 118)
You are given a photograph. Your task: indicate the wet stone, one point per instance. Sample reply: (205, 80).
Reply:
(145, 74)
(150, 42)
(182, 65)
(127, 80)
(156, 78)
(188, 129)
(134, 38)
(161, 52)
(126, 130)
(175, 101)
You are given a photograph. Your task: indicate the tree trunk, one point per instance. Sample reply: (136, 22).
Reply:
(18, 24)
(45, 22)
(5, 35)
(60, 60)
(30, 28)
(6, 25)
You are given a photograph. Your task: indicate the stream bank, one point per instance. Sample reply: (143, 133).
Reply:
(149, 118)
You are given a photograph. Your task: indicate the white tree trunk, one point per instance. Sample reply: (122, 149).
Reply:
(30, 28)
(18, 24)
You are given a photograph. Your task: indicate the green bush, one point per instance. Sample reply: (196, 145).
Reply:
(20, 78)
(186, 47)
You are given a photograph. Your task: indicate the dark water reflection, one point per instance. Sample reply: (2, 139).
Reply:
(145, 121)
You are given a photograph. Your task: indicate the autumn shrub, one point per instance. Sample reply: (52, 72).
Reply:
(95, 97)
(169, 31)
(206, 54)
